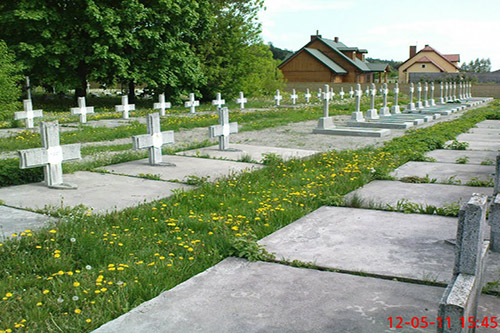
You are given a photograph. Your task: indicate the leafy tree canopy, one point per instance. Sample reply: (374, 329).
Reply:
(477, 66)
(9, 78)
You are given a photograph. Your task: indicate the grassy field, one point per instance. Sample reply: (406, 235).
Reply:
(88, 269)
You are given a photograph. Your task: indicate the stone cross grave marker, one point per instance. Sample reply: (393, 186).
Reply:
(461, 297)
(192, 103)
(294, 97)
(432, 102)
(351, 93)
(441, 93)
(162, 105)
(242, 100)
(278, 97)
(326, 121)
(332, 94)
(82, 110)
(154, 140)
(29, 114)
(357, 115)
(454, 97)
(372, 112)
(384, 110)
(367, 91)
(446, 98)
(218, 101)
(411, 105)
(341, 93)
(395, 108)
(419, 104)
(50, 156)
(470, 90)
(223, 130)
(125, 107)
(460, 89)
(319, 95)
(426, 95)
(307, 95)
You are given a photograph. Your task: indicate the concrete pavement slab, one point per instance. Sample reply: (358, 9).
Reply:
(483, 131)
(102, 192)
(489, 124)
(483, 145)
(411, 246)
(479, 137)
(256, 153)
(473, 156)
(241, 296)
(386, 192)
(444, 172)
(14, 220)
(185, 167)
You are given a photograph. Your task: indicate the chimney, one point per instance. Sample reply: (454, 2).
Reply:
(313, 37)
(336, 39)
(413, 50)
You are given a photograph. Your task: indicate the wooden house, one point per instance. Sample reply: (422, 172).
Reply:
(326, 60)
(428, 60)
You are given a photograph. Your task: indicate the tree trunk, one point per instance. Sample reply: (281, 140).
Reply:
(131, 92)
(81, 91)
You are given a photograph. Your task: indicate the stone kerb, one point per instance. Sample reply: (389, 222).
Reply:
(460, 298)
(494, 222)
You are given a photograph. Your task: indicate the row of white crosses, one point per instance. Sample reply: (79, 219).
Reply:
(320, 95)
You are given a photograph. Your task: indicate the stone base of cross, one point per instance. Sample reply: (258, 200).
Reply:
(28, 114)
(223, 130)
(395, 109)
(411, 107)
(154, 140)
(50, 156)
(125, 108)
(82, 110)
(162, 105)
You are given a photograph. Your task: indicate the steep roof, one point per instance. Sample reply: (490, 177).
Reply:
(377, 66)
(452, 57)
(326, 61)
(427, 48)
(337, 47)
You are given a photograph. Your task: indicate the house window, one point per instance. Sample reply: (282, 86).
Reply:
(423, 66)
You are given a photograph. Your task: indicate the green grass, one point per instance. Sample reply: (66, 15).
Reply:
(89, 268)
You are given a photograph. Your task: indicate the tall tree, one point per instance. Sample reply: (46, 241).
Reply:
(9, 79)
(477, 66)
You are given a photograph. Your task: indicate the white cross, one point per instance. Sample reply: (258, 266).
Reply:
(223, 130)
(219, 102)
(294, 96)
(278, 97)
(192, 103)
(125, 107)
(82, 110)
(319, 94)
(162, 105)
(50, 156)
(242, 100)
(29, 114)
(332, 94)
(367, 92)
(154, 140)
(307, 96)
(341, 93)
(351, 93)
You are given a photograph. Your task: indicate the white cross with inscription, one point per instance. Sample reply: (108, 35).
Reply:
(278, 97)
(162, 105)
(357, 115)
(50, 156)
(29, 114)
(192, 103)
(326, 100)
(223, 130)
(219, 102)
(307, 95)
(82, 110)
(125, 107)
(294, 96)
(154, 140)
(242, 100)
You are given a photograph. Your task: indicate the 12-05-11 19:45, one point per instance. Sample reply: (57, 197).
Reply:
(424, 322)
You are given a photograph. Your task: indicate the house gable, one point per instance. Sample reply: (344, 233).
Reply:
(304, 66)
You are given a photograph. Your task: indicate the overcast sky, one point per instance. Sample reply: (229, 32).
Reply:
(387, 28)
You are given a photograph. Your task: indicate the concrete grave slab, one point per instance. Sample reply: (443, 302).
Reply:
(451, 156)
(183, 169)
(481, 144)
(387, 192)
(444, 171)
(411, 246)
(17, 220)
(495, 124)
(479, 137)
(256, 153)
(102, 192)
(484, 131)
(240, 296)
